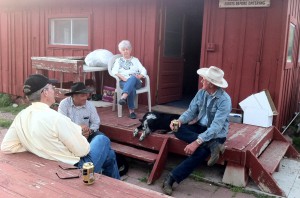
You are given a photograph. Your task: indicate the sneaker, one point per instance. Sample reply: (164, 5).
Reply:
(167, 189)
(122, 101)
(214, 157)
(132, 115)
(167, 185)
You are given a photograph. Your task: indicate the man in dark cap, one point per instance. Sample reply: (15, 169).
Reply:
(83, 112)
(51, 135)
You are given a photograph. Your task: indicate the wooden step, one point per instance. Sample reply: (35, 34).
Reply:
(273, 154)
(168, 109)
(134, 152)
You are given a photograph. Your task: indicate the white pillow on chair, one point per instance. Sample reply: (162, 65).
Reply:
(98, 58)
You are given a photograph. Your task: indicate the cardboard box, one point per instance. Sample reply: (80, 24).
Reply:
(259, 109)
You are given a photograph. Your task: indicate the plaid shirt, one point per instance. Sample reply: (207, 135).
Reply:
(86, 114)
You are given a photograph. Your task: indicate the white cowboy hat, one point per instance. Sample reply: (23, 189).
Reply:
(214, 75)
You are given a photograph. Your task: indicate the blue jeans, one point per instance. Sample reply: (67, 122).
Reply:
(102, 156)
(94, 134)
(130, 86)
(189, 133)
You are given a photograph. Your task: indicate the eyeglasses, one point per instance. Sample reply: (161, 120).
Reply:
(71, 177)
(69, 168)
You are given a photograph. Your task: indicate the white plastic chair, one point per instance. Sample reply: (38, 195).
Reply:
(118, 90)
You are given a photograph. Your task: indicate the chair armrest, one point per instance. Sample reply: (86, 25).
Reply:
(147, 80)
(117, 82)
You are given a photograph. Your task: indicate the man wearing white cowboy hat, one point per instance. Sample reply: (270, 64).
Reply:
(208, 111)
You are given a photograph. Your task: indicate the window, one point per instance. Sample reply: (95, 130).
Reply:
(173, 33)
(289, 57)
(299, 56)
(291, 47)
(69, 31)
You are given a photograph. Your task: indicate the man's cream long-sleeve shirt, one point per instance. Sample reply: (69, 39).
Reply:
(46, 133)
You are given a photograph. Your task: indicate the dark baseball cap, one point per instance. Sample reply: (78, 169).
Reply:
(36, 82)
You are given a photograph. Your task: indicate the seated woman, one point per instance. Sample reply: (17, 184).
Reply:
(130, 71)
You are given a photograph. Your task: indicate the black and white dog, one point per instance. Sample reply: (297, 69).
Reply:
(153, 121)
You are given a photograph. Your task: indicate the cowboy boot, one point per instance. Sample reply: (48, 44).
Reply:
(215, 153)
(167, 185)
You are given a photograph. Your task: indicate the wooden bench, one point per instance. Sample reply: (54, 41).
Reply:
(154, 149)
(155, 155)
(133, 152)
(27, 175)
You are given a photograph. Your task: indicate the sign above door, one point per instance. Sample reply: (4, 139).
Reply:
(243, 3)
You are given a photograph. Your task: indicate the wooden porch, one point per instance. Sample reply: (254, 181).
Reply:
(251, 151)
(27, 175)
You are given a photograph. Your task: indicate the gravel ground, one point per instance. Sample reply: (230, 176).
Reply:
(6, 116)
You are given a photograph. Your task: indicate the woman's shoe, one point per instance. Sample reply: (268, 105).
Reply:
(132, 115)
(122, 101)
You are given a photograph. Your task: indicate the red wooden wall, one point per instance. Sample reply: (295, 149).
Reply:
(289, 96)
(250, 46)
(23, 33)
(250, 43)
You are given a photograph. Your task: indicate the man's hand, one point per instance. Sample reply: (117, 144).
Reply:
(139, 76)
(190, 148)
(172, 127)
(85, 131)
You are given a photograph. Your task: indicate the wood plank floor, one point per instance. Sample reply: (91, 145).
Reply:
(241, 137)
(27, 175)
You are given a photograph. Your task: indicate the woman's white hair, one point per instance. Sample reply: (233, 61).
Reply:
(125, 44)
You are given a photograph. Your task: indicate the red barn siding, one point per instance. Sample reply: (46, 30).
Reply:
(250, 43)
(250, 48)
(24, 34)
(289, 92)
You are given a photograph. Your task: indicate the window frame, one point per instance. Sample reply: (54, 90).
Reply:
(68, 16)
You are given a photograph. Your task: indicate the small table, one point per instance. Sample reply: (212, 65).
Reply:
(73, 65)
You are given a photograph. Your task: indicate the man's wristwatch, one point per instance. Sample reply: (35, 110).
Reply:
(199, 141)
